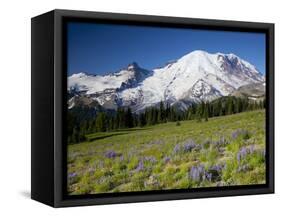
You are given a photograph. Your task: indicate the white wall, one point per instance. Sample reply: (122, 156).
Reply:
(15, 106)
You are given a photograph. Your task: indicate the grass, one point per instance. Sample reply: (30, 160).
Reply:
(224, 151)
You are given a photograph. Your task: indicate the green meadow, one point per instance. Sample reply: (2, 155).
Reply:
(223, 151)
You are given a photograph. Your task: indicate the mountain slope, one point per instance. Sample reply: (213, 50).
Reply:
(194, 77)
(125, 78)
(254, 91)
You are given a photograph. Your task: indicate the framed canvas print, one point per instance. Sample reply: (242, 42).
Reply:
(131, 108)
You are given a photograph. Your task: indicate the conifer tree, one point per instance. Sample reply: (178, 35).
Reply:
(101, 122)
(229, 106)
(206, 111)
(199, 112)
(161, 114)
(141, 121)
(168, 112)
(128, 118)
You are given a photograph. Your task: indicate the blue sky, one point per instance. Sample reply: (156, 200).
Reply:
(102, 48)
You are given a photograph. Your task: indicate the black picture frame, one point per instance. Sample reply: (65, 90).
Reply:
(48, 148)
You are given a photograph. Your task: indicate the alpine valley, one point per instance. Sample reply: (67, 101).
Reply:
(197, 76)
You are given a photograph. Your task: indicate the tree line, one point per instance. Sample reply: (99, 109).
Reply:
(124, 118)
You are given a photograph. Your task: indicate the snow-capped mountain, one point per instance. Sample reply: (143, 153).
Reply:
(194, 77)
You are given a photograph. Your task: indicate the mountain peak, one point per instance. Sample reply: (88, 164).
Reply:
(232, 55)
(197, 53)
(200, 53)
(133, 65)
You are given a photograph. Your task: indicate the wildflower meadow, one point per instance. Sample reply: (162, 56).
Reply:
(223, 151)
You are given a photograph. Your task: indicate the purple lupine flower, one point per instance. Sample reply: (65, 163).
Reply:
(72, 175)
(167, 160)
(72, 178)
(235, 134)
(110, 154)
(214, 173)
(197, 173)
(209, 176)
(242, 153)
(240, 132)
(140, 167)
(177, 149)
(190, 144)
